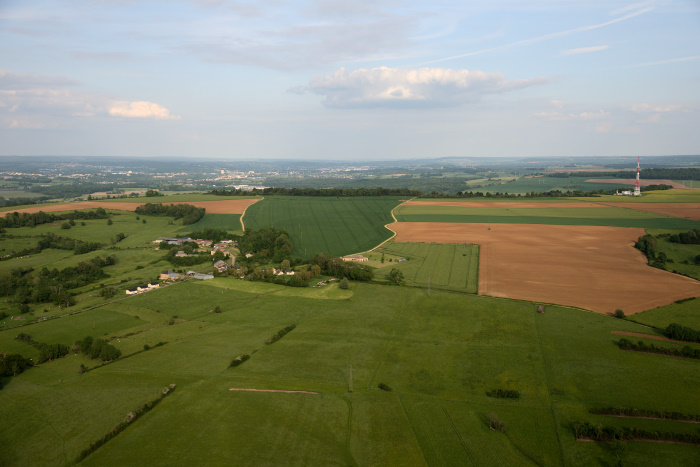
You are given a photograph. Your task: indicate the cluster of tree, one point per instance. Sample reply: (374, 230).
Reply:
(645, 413)
(15, 219)
(13, 364)
(609, 434)
(299, 279)
(266, 244)
(687, 351)
(647, 245)
(97, 348)
(187, 260)
(152, 193)
(52, 285)
(320, 192)
(679, 332)
(130, 418)
(396, 277)
(238, 360)
(503, 393)
(47, 352)
(334, 266)
(211, 233)
(692, 237)
(280, 334)
(188, 213)
(680, 173)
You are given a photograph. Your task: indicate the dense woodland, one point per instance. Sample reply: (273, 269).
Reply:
(188, 213)
(16, 220)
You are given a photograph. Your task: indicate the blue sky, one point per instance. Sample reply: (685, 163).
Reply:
(349, 80)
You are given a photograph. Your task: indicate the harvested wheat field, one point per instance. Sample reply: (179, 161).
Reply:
(686, 210)
(642, 182)
(504, 204)
(226, 206)
(596, 268)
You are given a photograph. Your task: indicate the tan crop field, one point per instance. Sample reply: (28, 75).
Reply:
(591, 267)
(686, 210)
(226, 206)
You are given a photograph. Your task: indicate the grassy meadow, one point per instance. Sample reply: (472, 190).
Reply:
(439, 353)
(229, 222)
(524, 185)
(336, 226)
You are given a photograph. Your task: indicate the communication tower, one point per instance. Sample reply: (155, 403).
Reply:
(637, 191)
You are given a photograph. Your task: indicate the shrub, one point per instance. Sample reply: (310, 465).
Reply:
(280, 334)
(238, 360)
(495, 423)
(619, 314)
(384, 387)
(503, 393)
(344, 283)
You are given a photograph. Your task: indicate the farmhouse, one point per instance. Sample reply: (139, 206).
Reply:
(221, 265)
(358, 258)
(169, 276)
(131, 291)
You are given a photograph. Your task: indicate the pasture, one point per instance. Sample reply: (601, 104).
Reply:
(229, 222)
(440, 353)
(524, 185)
(336, 226)
(450, 267)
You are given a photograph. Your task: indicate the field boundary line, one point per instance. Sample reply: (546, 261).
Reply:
(272, 390)
(246, 208)
(386, 226)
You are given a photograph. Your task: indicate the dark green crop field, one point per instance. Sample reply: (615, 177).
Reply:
(229, 222)
(439, 353)
(603, 216)
(337, 226)
(541, 184)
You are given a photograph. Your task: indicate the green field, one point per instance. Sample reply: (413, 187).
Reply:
(229, 222)
(440, 353)
(336, 226)
(541, 184)
(603, 216)
(449, 267)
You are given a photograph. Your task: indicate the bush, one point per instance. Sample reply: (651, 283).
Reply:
(503, 393)
(280, 334)
(384, 387)
(344, 283)
(619, 314)
(238, 360)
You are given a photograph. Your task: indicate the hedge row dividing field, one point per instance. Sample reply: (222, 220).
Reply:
(440, 353)
(336, 226)
(452, 267)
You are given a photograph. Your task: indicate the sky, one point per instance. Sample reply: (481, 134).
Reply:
(349, 80)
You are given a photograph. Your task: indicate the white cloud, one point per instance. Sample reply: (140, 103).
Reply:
(556, 116)
(644, 107)
(140, 109)
(585, 50)
(423, 87)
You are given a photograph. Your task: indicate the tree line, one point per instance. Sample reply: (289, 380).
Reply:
(608, 434)
(335, 266)
(679, 173)
(25, 219)
(679, 332)
(645, 413)
(687, 351)
(338, 192)
(188, 213)
(47, 352)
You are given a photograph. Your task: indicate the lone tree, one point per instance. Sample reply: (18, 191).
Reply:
(619, 314)
(396, 276)
(344, 283)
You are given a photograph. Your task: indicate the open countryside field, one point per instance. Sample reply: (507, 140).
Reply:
(230, 222)
(540, 184)
(336, 226)
(633, 182)
(596, 268)
(451, 267)
(687, 210)
(543, 213)
(439, 353)
(219, 206)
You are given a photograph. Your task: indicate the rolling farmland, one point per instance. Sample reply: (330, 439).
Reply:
(337, 226)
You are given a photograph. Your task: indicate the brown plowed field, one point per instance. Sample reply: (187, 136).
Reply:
(225, 206)
(687, 210)
(642, 182)
(502, 204)
(596, 268)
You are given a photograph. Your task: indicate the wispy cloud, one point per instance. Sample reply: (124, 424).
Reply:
(554, 35)
(140, 109)
(423, 87)
(670, 60)
(585, 50)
